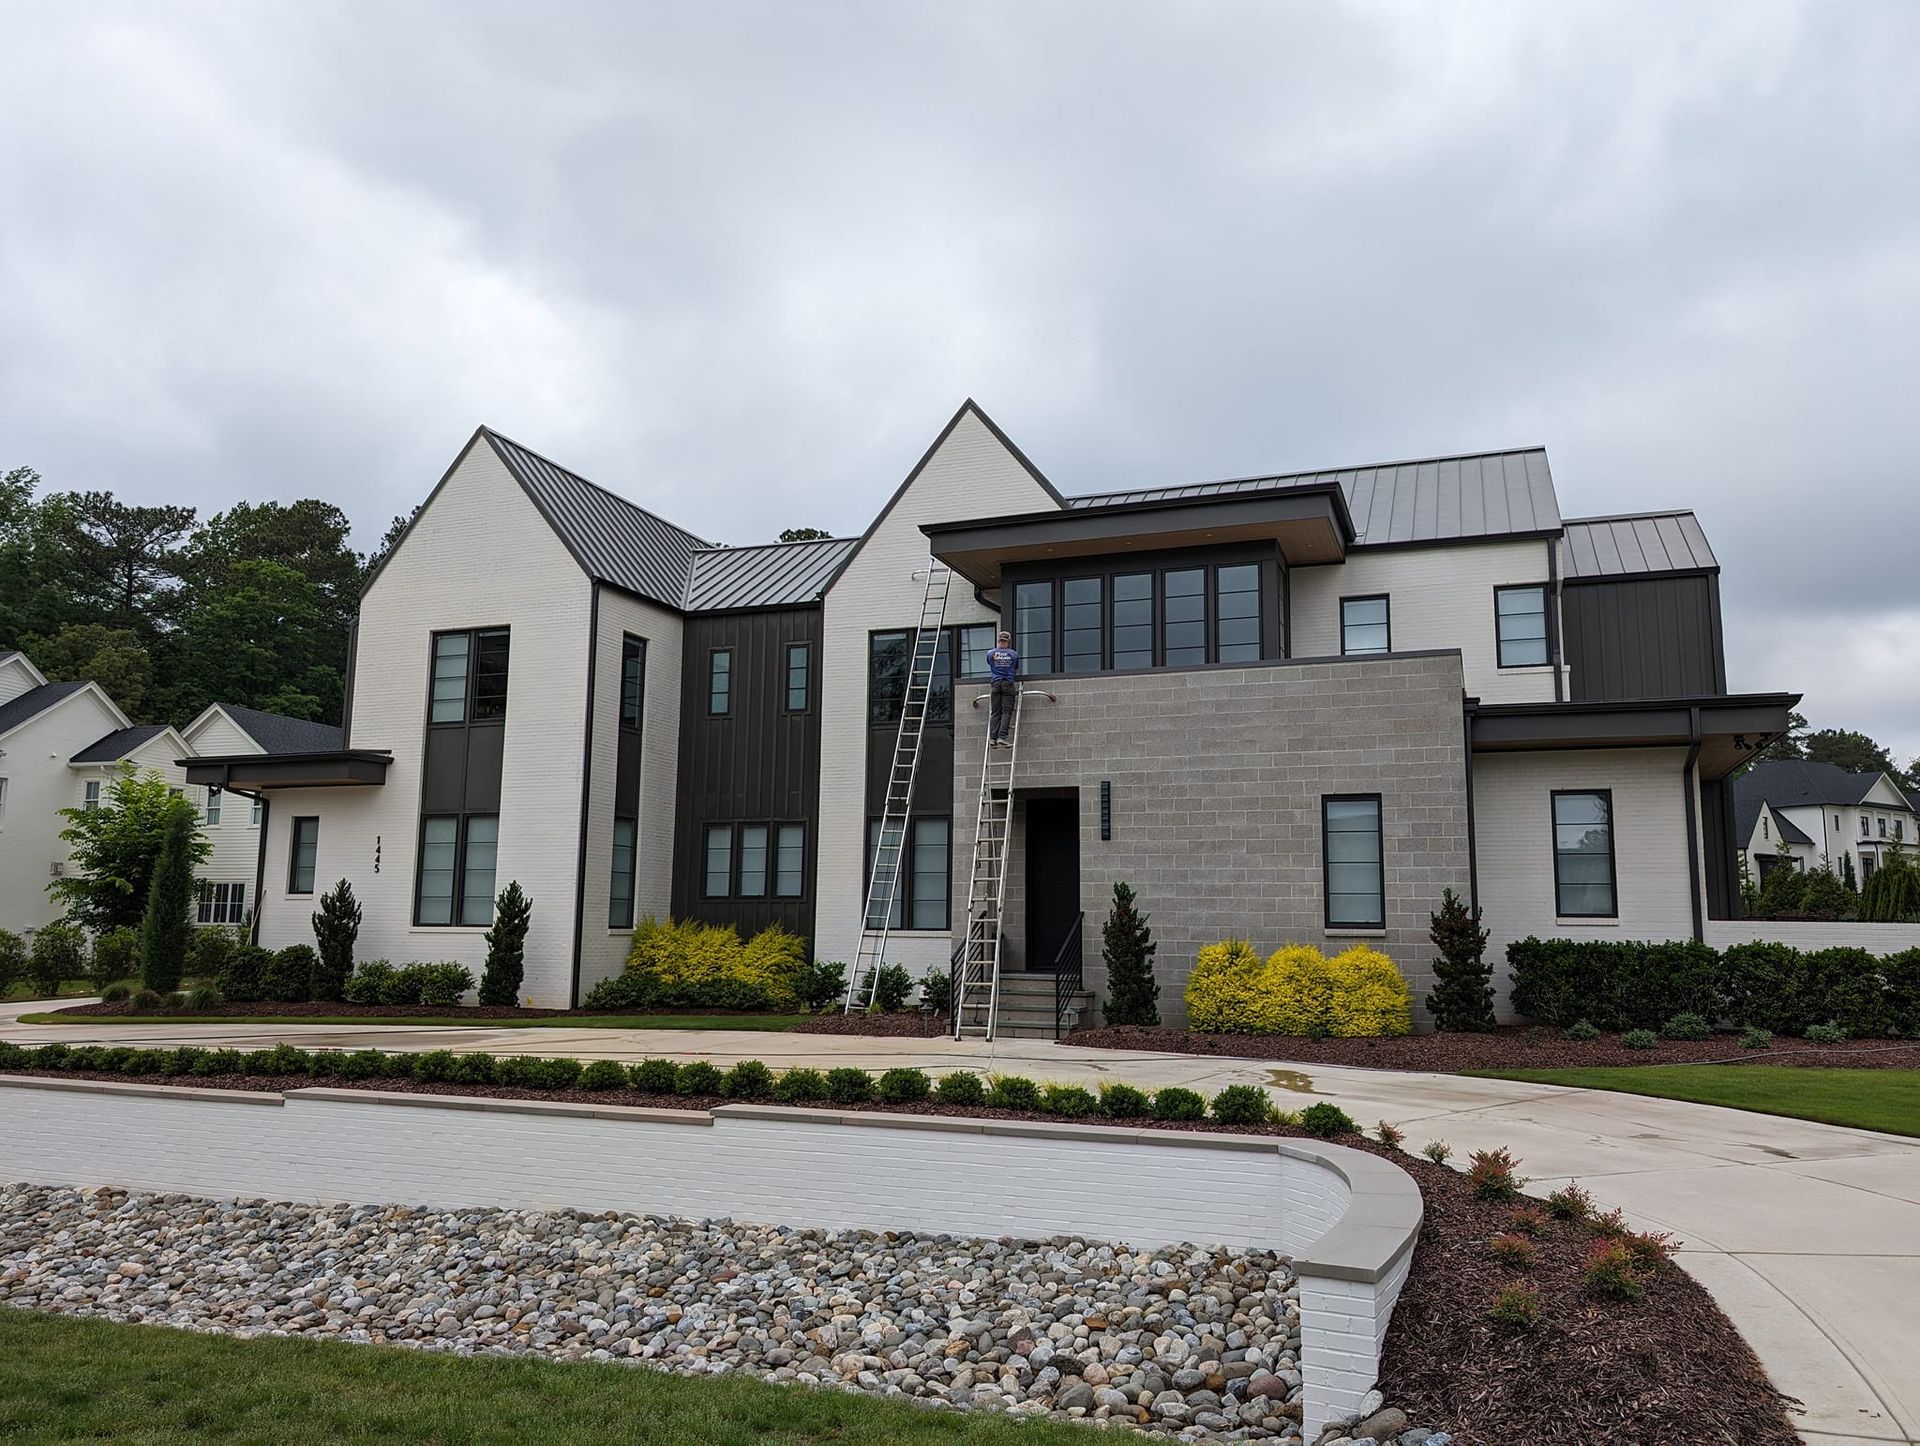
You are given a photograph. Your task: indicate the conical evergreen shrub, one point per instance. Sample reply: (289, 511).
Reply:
(1462, 999)
(1127, 946)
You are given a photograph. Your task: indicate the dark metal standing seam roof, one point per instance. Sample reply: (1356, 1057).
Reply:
(1482, 494)
(1631, 545)
(614, 540)
(117, 744)
(775, 574)
(277, 733)
(1799, 782)
(34, 701)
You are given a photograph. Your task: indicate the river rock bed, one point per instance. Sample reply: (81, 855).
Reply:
(1187, 1342)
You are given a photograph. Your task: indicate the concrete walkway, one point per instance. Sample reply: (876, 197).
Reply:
(1807, 1235)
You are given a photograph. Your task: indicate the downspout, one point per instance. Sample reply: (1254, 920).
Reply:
(1693, 823)
(586, 797)
(980, 596)
(1473, 848)
(1553, 619)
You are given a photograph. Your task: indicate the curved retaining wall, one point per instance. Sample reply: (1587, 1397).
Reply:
(1349, 1219)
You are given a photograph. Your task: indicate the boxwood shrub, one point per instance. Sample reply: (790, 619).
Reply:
(800, 1086)
(603, 1074)
(475, 1069)
(747, 1080)
(1013, 1092)
(848, 1086)
(903, 1086)
(1069, 1100)
(652, 1076)
(962, 1087)
(697, 1078)
(1241, 1105)
(1124, 1102)
(1174, 1102)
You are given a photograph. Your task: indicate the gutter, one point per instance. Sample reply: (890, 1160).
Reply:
(1688, 772)
(1473, 847)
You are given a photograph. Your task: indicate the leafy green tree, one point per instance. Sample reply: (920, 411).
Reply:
(122, 560)
(115, 658)
(59, 954)
(116, 848)
(336, 925)
(13, 961)
(507, 946)
(1844, 748)
(803, 534)
(260, 636)
(1462, 999)
(166, 932)
(1128, 947)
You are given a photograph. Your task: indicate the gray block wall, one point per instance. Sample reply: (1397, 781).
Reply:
(1218, 776)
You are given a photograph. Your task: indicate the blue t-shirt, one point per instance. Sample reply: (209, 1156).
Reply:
(1002, 664)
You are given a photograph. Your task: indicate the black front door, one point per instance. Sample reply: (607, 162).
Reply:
(1053, 877)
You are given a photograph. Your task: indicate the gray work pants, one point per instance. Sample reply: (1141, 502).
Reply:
(1006, 699)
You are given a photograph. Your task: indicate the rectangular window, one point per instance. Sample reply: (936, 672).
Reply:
(1133, 620)
(620, 890)
(975, 643)
(449, 698)
(221, 903)
(1236, 593)
(1184, 632)
(720, 682)
(1883, 828)
(259, 812)
(1355, 874)
(1033, 626)
(213, 806)
(439, 841)
(1363, 626)
(490, 675)
(1520, 625)
(91, 798)
(719, 871)
(1583, 877)
(886, 676)
(1899, 829)
(893, 862)
(799, 677)
(633, 680)
(1082, 605)
(477, 868)
(753, 860)
(303, 849)
(790, 860)
(940, 688)
(3, 800)
(928, 896)
(1865, 830)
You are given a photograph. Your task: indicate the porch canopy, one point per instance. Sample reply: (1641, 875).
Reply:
(340, 767)
(1730, 728)
(1309, 524)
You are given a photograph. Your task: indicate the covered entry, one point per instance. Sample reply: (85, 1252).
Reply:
(1052, 875)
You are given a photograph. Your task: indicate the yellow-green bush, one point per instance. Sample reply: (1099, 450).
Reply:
(683, 960)
(1297, 990)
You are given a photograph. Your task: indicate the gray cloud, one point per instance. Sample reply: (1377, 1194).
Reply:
(740, 262)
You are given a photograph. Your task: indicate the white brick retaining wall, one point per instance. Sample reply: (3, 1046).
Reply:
(1803, 934)
(1349, 1219)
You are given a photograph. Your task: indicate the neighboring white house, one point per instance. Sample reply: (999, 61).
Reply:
(1817, 810)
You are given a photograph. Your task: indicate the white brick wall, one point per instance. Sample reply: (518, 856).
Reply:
(1875, 938)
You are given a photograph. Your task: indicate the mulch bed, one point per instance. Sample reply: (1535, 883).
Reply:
(1509, 1048)
(904, 1024)
(341, 1010)
(1668, 1371)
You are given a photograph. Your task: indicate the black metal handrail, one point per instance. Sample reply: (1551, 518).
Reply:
(1068, 969)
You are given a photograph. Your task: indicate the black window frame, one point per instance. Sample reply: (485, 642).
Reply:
(725, 696)
(939, 712)
(1326, 862)
(614, 876)
(804, 649)
(909, 848)
(707, 832)
(633, 689)
(457, 898)
(1152, 625)
(1016, 629)
(1102, 628)
(294, 831)
(1613, 846)
(1111, 570)
(1500, 643)
(1215, 616)
(470, 696)
(736, 854)
(1359, 597)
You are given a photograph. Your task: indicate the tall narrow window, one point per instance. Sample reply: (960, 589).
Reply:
(889, 863)
(450, 657)
(213, 806)
(940, 687)
(490, 675)
(720, 682)
(257, 815)
(719, 870)
(1133, 620)
(1583, 873)
(799, 677)
(753, 860)
(886, 675)
(1364, 626)
(975, 642)
(1033, 626)
(477, 868)
(1236, 592)
(91, 800)
(1082, 603)
(1520, 625)
(303, 851)
(620, 890)
(790, 860)
(633, 676)
(1185, 641)
(929, 873)
(1355, 875)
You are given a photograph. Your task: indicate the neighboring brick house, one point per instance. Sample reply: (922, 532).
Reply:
(1294, 708)
(1803, 812)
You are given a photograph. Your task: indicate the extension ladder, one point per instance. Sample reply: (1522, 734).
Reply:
(977, 987)
(889, 850)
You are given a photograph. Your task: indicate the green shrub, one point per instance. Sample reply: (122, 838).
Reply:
(1613, 984)
(211, 951)
(475, 1069)
(1390, 1135)
(962, 1087)
(1825, 1034)
(903, 1086)
(557, 1074)
(1571, 1203)
(1175, 1102)
(243, 978)
(891, 988)
(747, 1080)
(821, 984)
(1900, 980)
(1127, 947)
(518, 1071)
(506, 964)
(1640, 1039)
(12, 1056)
(325, 1063)
(1327, 1120)
(1753, 1038)
(146, 1001)
(1892, 895)
(202, 1000)
(1124, 1102)
(174, 1003)
(847, 1086)
(1687, 1026)
(1298, 991)
(289, 975)
(400, 985)
(116, 955)
(936, 992)
(336, 925)
(1612, 1271)
(166, 929)
(59, 954)
(1517, 1307)
(281, 1059)
(1068, 1100)
(688, 965)
(363, 1064)
(603, 1074)
(697, 1078)
(443, 984)
(182, 1060)
(1241, 1105)
(632, 991)
(436, 1066)
(145, 1062)
(13, 960)
(87, 1057)
(1012, 1092)
(1581, 1031)
(1493, 1175)
(369, 983)
(800, 1086)
(55, 1056)
(653, 1076)
(1463, 979)
(117, 993)
(220, 1061)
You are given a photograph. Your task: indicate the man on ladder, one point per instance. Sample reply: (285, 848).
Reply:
(1003, 669)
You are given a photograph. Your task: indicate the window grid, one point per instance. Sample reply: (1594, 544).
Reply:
(212, 810)
(91, 798)
(454, 880)
(1584, 877)
(1033, 626)
(1354, 877)
(753, 861)
(302, 854)
(1133, 594)
(1366, 625)
(720, 682)
(925, 870)
(718, 882)
(790, 861)
(1082, 624)
(1520, 626)
(620, 889)
(1236, 592)
(221, 903)
(799, 677)
(633, 672)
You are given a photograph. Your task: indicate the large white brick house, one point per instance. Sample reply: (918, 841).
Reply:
(1293, 707)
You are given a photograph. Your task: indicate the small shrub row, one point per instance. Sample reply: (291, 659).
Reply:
(682, 964)
(378, 982)
(1297, 990)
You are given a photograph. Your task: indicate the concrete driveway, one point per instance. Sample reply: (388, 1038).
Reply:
(1807, 1235)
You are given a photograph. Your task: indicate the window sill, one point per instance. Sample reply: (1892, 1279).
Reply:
(1524, 668)
(1380, 933)
(443, 930)
(1586, 923)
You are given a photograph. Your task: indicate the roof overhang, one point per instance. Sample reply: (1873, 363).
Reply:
(1730, 728)
(341, 768)
(1309, 525)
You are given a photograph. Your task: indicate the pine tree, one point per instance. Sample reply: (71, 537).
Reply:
(336, 925)
(1462, 999)
(1128, 948)
(166, 931)
(1847, 875)
(507, 946)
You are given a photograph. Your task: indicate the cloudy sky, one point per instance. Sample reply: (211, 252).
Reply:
(741, 261)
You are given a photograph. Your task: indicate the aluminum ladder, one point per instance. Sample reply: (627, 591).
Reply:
(883, 883)
(977, 985)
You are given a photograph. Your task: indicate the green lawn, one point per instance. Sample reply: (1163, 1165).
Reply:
(1867, 1099)
(73, 989)
(70, 1380)
(445, 1021)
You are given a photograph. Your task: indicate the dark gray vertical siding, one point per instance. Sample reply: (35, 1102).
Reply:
(758, 764)
(1721, 849)
(1648, 637)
